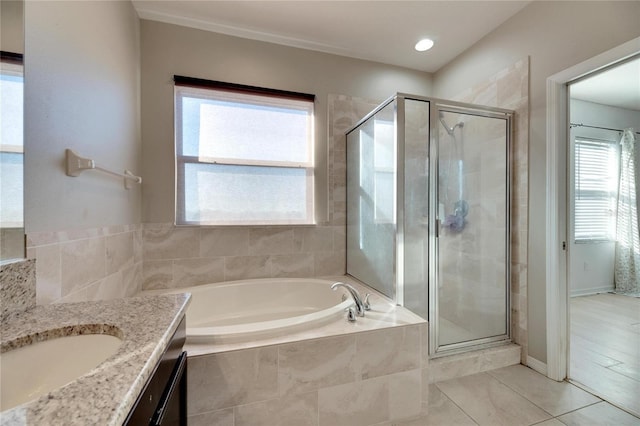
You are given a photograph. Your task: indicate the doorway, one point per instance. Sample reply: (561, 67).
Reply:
(604, 309)
(557, 288)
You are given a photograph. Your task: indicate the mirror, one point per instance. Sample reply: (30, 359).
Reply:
(11, 130)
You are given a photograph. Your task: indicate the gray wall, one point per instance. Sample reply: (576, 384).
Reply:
(82, 71)
(556, 36)
(170, 49)
(11, 26)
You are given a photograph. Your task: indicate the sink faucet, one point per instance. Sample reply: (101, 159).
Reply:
(361, 305)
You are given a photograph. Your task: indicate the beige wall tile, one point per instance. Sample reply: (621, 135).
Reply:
(405, 395)
(224, 242)
(157, 274)
(132, 279)
(48, 274)
(309, 365)
(388, 351)
(138, 247)
(213, 418)
(190, 272)
(82, 262)
(355, 404)
(245, 267)
(465, 364)
(330, 263)
(164, 242)
(119, 251)
(292, 265)
(270, 241)
(110, 287)
(235, 378)
(295, 410)
(315, 239)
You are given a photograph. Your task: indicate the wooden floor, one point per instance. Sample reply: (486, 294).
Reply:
(605, 347)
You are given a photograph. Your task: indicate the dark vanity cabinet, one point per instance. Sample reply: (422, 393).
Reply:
(164, 398)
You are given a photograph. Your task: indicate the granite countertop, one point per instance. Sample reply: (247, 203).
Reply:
(105, 395)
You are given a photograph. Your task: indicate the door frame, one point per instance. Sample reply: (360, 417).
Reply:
(557, 291)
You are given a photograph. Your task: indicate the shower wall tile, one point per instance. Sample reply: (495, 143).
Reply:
(509, 89)
(87, 264)
(343, 113)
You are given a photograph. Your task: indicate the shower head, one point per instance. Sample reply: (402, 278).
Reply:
(449, 130)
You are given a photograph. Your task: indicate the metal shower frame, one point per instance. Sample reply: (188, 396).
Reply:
(435, 106)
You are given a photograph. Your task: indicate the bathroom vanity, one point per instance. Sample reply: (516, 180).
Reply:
(164, 399)
(144, 375)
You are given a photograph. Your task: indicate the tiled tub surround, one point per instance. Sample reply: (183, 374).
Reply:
(372, 371)
(105, 395)
(177, 257)
(87, 264)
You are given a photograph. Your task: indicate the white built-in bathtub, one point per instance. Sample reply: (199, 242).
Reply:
(237, 311)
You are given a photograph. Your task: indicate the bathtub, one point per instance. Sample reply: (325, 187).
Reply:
(238, 311)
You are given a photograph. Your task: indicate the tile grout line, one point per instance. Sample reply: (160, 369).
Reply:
(454, 403)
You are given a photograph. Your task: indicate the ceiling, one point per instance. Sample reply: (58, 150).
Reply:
(618, 86)
(380, 31)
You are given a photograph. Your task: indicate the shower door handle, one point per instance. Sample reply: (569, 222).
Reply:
(437, 230)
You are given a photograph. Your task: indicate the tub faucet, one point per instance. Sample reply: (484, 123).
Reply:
(361, 305)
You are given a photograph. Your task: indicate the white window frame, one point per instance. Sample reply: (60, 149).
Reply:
(11, 64)
(207, 89)
(611, 194)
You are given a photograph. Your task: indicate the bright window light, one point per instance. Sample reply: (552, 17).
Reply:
(243, 158)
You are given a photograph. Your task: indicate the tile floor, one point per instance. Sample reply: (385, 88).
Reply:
(513, 396)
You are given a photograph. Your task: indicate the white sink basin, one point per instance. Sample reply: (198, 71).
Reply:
(34, 370)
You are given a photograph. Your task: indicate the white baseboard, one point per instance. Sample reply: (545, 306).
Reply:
(537, 365)
(592, 290)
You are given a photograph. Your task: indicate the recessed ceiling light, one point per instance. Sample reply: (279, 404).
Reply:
(424, 44)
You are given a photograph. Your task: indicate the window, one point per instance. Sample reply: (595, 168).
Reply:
(244, 155)
(596, 180)
(11, 144)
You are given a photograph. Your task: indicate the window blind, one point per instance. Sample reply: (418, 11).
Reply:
(596, 172)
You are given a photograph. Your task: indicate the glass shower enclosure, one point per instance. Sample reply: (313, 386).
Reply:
(428, 214)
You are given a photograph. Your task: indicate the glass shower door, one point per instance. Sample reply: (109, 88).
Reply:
(371, 201)
(472, 220)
